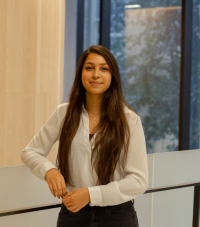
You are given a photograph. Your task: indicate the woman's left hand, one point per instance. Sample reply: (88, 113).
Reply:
(77, 199)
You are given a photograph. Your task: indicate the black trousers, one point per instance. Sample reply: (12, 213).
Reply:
(122, 215)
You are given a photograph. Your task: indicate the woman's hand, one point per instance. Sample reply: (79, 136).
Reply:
(56, 183)
(77, 199)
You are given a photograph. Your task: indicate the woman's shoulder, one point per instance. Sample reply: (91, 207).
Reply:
(61, 109)
(131, 116)
(63, 106)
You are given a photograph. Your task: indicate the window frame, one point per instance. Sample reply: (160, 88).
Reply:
(185, 65)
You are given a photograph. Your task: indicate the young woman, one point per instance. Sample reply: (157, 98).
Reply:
(102, 161)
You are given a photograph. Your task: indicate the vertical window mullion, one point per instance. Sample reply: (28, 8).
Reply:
(80, 29)
(105, 23)
(185, 77)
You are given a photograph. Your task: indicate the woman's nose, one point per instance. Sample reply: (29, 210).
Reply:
(96, 73)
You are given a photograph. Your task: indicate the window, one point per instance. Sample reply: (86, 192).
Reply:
(91, 23)
(145, 38)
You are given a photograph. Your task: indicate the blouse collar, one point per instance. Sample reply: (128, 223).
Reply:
(126, 109)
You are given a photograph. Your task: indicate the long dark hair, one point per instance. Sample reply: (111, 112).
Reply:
(114, 132)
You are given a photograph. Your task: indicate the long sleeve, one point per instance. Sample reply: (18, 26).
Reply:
(34, 155)
(135, 181)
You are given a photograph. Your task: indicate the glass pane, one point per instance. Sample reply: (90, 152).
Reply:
(145, 38)
(91, 23)
(195, 85)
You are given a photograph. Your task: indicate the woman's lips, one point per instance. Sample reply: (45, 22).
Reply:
(94, 83)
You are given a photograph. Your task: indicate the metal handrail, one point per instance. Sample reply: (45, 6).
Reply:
(171, 187)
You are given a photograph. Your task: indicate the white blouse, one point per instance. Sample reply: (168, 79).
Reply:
(125, 188)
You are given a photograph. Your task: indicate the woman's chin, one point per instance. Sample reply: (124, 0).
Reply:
(95, 92)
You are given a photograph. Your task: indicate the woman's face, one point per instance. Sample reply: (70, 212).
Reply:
(96, 75)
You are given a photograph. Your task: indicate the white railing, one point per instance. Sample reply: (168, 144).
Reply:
(172, 177)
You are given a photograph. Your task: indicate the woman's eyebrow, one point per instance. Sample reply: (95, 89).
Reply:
(93, 63)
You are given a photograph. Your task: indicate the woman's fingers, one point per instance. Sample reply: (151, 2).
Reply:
(55, 190)
(59, 187)
(51, 189)
(63, 185)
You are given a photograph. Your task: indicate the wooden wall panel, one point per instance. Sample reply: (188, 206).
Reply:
(31, 71)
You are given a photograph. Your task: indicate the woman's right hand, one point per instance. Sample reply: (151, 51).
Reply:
(56, 183)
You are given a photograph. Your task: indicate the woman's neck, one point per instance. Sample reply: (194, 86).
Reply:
(93, 103)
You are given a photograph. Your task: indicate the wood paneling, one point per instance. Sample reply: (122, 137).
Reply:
(31, 71)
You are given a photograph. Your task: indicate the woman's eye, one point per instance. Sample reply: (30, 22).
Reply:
(88, 67)
(105, 69)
